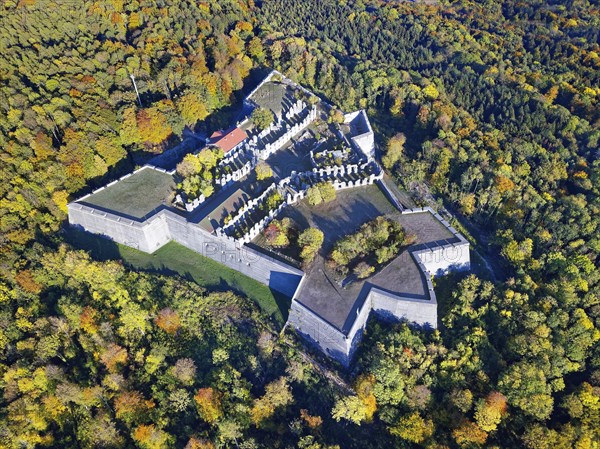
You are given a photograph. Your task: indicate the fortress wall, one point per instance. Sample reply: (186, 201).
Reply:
(420, 311)
(155, 232)
(320, 333)
(441, 259)
(121, 230)
(258, 266)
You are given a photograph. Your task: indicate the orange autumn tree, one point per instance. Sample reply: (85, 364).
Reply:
(87, 320)
(130, 406)
(196, 443)
(312, 421)
(26, 281)
(153, 126)
(168, 320)
(149, 437)
(208, 403)
(113, 356)
(469, 434)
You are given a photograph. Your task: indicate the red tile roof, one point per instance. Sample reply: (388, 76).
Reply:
(228, 139)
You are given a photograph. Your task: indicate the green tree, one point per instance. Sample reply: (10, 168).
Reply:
(263, 171)
(351, 408)
(526, 387)
(310, 241)
(262, 118)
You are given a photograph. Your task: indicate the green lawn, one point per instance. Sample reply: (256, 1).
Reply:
(177, 259)
(137, 195)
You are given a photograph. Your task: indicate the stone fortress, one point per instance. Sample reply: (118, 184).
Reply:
(144, 210)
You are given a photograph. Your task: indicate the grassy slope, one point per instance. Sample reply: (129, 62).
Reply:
(177, 259)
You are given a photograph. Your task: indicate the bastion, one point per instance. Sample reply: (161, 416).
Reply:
(147, 209)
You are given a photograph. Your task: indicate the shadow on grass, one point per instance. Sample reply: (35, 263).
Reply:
(175, 259)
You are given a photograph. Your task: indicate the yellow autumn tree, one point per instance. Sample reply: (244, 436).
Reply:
(467, 204)
(129, 132)
(150, 437)
(192, 108)
(277, 394)
(394, 150)
(489, 411)
(413, 428)
(208, 403)
(504, 184)
(153, 126)
(430, 92)
(364, 390)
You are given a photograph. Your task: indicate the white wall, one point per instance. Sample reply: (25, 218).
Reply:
(442, 259)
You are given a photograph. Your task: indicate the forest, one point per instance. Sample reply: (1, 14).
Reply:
(490, 109)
